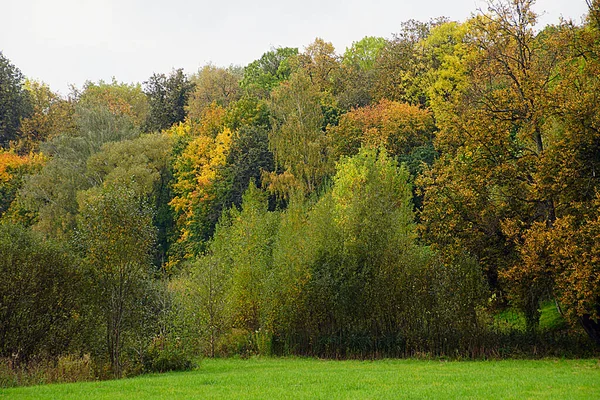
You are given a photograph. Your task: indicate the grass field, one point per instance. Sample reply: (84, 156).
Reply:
(309, 379)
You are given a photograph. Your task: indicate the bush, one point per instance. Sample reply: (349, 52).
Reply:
(166, 354)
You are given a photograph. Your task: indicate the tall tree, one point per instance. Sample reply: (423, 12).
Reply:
(297, 139)
(116, 232)
(14, 101)
(167, 97)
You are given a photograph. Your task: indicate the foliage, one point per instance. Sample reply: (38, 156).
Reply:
(364, 54)
(297, 139)
(397, 127)
(118, 98)
(116, 234)
(51, 116)
(212, 85)
(13, 169)
(14, 101)
(40, 294)
(263, 75)
(48, 199)
(166, 354)
(167, 98)
(195, 172)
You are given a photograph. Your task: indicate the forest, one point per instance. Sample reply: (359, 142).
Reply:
(398, 199)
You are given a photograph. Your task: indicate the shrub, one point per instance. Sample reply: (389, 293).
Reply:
(166, 354)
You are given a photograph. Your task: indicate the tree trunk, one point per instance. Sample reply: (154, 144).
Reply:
(592, 328)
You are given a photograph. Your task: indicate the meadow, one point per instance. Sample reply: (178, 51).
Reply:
(304, 378)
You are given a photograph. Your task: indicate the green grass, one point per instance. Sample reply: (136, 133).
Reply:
(512, 319)
(310, 379)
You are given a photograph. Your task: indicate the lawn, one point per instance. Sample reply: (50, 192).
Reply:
(266, 378)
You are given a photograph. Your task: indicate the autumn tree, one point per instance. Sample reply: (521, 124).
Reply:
(321, 64)
(13, 170)
(119, 98)
(400, 68)
(51, 116)
(213, 85)
(497, 138)
(196, 171)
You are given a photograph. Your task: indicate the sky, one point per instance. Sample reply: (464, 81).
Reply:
(64, 42)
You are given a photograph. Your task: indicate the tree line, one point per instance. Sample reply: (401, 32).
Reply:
(387, 201)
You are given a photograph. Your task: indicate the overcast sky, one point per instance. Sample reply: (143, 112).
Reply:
(64, 42)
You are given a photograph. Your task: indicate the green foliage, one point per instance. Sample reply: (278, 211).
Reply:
(40, 295)
(48, 199)
(264, 74)
(116, 234)
(118, 98)
(166, 354)
(167, 98)
(14, 101)
(297, 140)
(144, 165)
(213, 85)
(364, 53)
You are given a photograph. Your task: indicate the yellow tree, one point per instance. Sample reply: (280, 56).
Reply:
(196, 170)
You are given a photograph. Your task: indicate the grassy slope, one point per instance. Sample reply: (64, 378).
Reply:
(308, 378)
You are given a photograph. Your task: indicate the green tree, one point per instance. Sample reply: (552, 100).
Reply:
(116, 233)
(297, 139)
(41, 293)
(143, 164)
(167, 99)
(14, 101)
(264, 74)
(364, 54)
(48, 200)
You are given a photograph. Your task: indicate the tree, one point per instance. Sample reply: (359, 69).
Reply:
(14, 102)
(501, 136)
(321, 65)
(51, 116)
(13, 169)
(116, 233)
(144, 165)
(196, 172)
(357, 72)
(119, 98)
(364, 54)
(397, 127)
(297, 139)
(40, 295)
(400, 68)
(48, 200)
(167, 98)
(264, 74)
(213, 85)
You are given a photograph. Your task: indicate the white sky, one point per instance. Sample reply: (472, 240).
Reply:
(64, 42)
